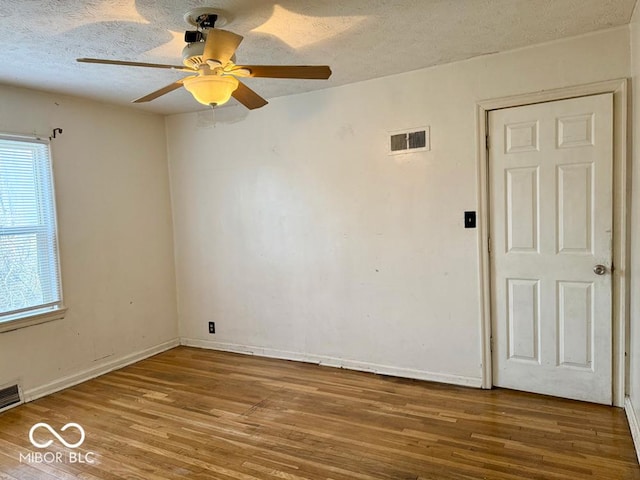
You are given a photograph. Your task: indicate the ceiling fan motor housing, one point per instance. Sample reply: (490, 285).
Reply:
(192, 54)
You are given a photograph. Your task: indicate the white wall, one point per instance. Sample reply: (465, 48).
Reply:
(115, 233)
(296, 232)
(633, 389)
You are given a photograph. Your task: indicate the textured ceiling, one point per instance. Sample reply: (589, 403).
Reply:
(359, 39)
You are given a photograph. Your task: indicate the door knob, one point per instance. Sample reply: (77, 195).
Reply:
(599, 269)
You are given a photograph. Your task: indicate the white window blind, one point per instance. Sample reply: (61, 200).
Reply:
(29, 269)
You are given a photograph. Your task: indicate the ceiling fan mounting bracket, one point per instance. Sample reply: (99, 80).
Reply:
(206, 17)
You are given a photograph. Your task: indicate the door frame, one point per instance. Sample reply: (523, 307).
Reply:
(621, 191)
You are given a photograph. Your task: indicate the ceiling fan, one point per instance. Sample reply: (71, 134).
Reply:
(210, 55)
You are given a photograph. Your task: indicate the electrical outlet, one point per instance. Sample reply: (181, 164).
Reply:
(212, 327)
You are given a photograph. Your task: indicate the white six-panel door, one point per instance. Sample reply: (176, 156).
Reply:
(550, 171)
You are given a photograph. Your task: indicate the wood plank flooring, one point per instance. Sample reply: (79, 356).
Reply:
(199, 414)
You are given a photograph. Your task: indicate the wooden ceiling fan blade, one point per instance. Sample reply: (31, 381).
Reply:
(310, 72)
(248, 97)
(158, 93)
(220, 45)
(133, 64)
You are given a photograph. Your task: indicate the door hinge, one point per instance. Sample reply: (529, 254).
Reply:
(486, 141)
(489, 244)
(491, 344)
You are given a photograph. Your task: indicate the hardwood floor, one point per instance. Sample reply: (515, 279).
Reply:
(198, 414)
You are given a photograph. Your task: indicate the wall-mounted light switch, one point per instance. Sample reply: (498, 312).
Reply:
(469, 219)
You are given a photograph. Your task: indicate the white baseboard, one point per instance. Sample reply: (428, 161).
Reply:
(335, 362)
(96, 371)
(633, 424)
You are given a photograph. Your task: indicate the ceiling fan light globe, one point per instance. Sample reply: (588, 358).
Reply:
(211, 89)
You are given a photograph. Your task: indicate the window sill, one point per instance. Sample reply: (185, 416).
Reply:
(33, 319)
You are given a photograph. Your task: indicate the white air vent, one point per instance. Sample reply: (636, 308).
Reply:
(10, 397)
(407, 141)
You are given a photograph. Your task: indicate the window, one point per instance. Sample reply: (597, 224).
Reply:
(30, 289)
